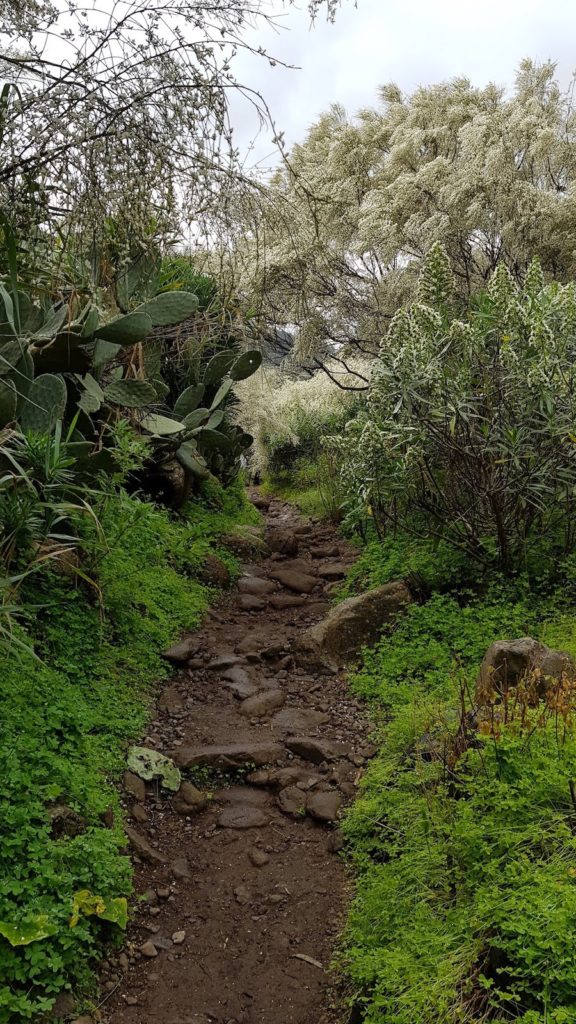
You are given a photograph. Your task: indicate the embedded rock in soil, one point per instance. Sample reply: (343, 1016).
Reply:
(134, 785)
(255, 586)
(333, 571)
(66, 822)
(323, 805)
(352, 624)
(170, 699)
(297, 721)
(225, 660)
(142, 847)
(330, 551)
(310, 749)
(214, 572)
(181, 869)
(292, 801)
(242, 816)
(262, 703)
(238, 682)
(282, 541)
(181, 652)
(509, 662)
(258, 857)
(281, 601)
(233, 755)
(148, 949)
(299, 582)
(248, 603)
(189, 800)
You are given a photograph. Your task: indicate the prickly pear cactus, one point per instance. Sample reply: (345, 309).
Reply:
(132, 394)
(45, 404)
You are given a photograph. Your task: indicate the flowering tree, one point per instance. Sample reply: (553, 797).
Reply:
(357, 205)
(121, 109)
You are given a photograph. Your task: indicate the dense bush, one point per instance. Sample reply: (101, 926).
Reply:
(469, 432)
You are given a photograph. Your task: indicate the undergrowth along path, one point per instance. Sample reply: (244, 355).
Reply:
(242, 901)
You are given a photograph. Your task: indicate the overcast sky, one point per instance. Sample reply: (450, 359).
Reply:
(412, 43)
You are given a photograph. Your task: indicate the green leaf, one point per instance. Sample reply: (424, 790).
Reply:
(149, 764)
(33, 930)
(87, 903)
(219, 366)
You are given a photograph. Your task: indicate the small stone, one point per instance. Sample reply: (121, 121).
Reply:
(181, 652)
(189, 799)
(281, 601)
(248, 603)
(276, 898)
(131, 1000)
(258, 857)
(161, 942)
(242, 895)
(242, 817)
(123, 962)
(222, 661)
(142, 847)
(310, 749)
(148, 949)
(178, 938)
(299, 582)
(163, 894)
(181, 869)
(139, 813)
(262, 703)
(150, 897)
(323, 805)
(292, 801)
(255, 586)
(170, 699)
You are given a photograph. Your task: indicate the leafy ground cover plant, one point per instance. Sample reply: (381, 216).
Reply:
(68, 706)
(465, 852)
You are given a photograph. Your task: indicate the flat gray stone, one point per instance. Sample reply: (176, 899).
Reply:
(256, 586)
(262, 703)
(182, 651)
(323, 805)
(310, 749)
(242, 816)
(298, 721)
(233, 755)
(292, 801)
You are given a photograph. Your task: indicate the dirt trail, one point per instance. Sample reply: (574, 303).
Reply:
(252, 880)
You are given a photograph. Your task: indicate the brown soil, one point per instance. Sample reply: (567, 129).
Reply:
(262, 906)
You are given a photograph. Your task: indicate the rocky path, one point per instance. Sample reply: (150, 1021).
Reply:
(242, 894)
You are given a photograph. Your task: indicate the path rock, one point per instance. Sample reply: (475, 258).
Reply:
(233, 755)
(282, 541)
(325, 551)
(181, 869)
(238, 682)
(299, 582)
(261, 502)
(242, 816)
(148, 949)
(214, 572)
(310, 749)
(262, 703)
(224, 660)
(258, 857)
(323, 805)
(134, 785)
(255, 586)
(510, 662)
(281, 601)
(297, 721)
(351, 624)
(292, 801)
(170, 699)
(189, 799)
(182, 651)
(139, 813)
(179, 937)
(333, 571)
(142, 847)
(248, 603)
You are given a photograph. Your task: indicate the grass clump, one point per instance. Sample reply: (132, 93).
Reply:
(66, 720)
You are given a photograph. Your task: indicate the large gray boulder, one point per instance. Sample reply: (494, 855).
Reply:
(510, 662)
(349, 626)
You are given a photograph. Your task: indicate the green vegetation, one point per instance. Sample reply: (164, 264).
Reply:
(463, 837)
(66, 719)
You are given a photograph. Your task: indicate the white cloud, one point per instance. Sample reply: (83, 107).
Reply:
(413, 44)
